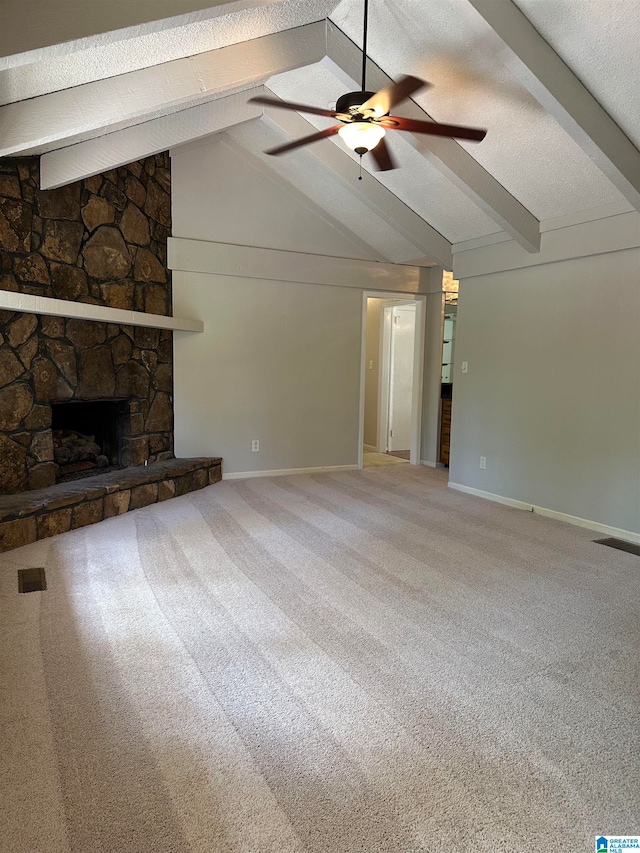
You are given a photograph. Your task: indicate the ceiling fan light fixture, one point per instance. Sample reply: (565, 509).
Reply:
(361, 136)
(364, 116)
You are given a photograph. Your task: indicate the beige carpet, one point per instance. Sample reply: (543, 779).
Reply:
(360, 661)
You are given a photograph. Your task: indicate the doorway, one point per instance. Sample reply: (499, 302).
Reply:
(391, 387)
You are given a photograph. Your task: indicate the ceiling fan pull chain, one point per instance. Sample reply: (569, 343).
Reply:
(360, 175)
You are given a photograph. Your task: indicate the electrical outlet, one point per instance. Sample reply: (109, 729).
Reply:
(255, 445)
(465, 366)
(483, 462)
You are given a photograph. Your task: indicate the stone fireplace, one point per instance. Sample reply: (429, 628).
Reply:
(101, 241)
(61, 368)
(86, 406)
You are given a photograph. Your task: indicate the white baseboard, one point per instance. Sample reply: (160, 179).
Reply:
(431, 464)
(371, 448)
(281, 472)
(478, 493)
(618, 532)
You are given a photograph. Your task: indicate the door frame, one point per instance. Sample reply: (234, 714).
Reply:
(420, 300)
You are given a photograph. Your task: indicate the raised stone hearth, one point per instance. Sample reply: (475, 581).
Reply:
(29, 516)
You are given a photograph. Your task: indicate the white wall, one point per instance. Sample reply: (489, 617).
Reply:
(552, 393)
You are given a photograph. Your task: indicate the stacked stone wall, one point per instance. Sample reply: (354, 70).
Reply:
(100, 241)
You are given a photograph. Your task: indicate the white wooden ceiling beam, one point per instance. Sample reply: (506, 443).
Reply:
(32, 31)
(93, 156)
(63, 118)
(203, 256)
(556, 87)
(369, 190)
(448, 157)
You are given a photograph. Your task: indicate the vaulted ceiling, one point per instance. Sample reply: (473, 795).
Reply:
(556, 83)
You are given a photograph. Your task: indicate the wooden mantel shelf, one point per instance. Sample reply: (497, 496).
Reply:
(83, 311)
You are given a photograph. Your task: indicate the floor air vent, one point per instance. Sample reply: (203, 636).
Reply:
(31, 580)
(620, 544)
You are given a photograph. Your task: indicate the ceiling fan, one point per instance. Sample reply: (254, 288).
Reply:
(364, 116)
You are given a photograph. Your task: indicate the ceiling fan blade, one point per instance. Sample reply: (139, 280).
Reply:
(305, 140)
(393, 94)
(287, 105)
(472, 133)
(382, 156)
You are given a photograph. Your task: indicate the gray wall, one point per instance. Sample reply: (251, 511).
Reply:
(372, 376)
(223, 194)
(278, 362)
(552, 393)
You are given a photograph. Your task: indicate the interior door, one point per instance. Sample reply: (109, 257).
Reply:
(403, 330)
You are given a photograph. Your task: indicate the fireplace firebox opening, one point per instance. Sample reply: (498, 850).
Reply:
(87, 437)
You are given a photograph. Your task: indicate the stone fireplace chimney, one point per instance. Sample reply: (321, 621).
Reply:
(100, 241)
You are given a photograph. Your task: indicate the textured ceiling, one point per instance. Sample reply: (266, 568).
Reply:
(599, 41)
(525, 148)
(34, 30)
(101, 60)
(526, 151)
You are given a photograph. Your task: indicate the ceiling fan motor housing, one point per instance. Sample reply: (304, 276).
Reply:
(351, 102)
